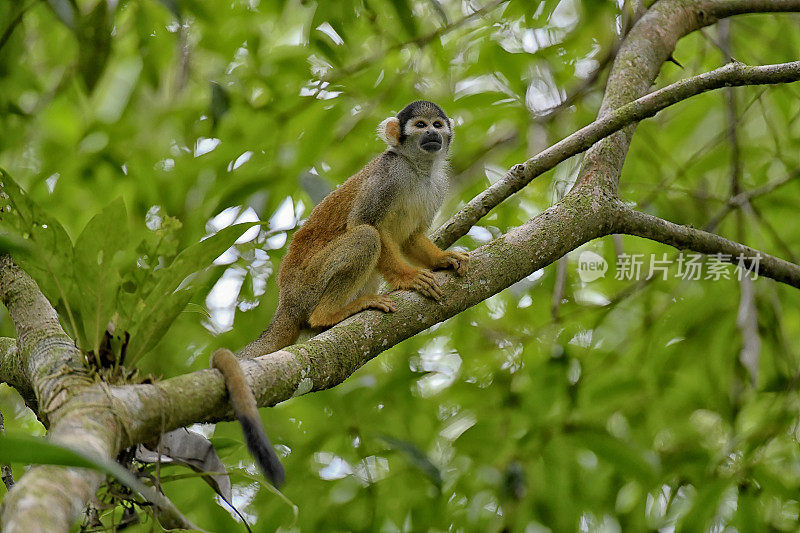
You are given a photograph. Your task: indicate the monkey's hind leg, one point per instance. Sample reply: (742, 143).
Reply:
(283, 330)
(349, 265)
(324, 316)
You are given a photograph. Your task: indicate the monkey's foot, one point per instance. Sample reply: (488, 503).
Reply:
(382, 302)
(458, 261)
(323, 316)
(422, 281)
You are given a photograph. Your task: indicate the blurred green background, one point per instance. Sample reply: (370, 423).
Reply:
(561, 404)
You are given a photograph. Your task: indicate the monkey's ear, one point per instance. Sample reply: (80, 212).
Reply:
(389, 131)
(452, 124)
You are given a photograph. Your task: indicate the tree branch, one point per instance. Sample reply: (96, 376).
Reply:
(651, 42)
(80, 413)
(744, 198)
(13, 372)
(732, 74)
(683, 237)
(48, 498)
(329, 358)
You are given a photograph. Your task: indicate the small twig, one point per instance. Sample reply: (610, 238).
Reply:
(602, 64)
(745, 197)
(747, 315)
(558, 289)
(419, 41)
(682, 168)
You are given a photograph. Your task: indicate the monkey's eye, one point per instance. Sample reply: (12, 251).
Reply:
(437, 124)
(420, 124)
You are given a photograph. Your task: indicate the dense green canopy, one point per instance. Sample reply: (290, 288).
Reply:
(564, 402)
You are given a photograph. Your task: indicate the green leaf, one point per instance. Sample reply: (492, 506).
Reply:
(226, 443)
(12, 244)
(173, 291)
(114, 90)
(94, 41)
(50, 264)
(747, 516)
(34, 450)
(153, 323)
(96, 275)
(220, 102)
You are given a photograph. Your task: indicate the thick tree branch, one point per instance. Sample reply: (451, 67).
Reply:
(732, 74)
(686, 238)
(49, 498)
(651, 42)
(329, 358)
(13, 372)
(48, 357)
(47, 366)
(80, 413)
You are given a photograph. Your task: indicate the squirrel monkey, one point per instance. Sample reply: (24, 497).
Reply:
(372, 225)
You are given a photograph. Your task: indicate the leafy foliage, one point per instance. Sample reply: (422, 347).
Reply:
(137, 129)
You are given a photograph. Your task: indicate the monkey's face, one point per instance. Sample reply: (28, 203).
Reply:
(429, 133)
(421, 129)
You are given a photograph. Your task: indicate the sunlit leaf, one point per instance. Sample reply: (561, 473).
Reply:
(169, 297)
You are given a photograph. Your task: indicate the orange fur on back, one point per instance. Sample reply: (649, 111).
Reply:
(327, 221)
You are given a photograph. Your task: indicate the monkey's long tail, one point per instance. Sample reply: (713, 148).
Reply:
(246, 409)
(282, 331)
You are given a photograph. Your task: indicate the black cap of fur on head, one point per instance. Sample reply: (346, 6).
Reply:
(417, 108)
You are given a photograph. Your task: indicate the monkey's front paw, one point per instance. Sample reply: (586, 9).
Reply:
(423, 282)
(458, 261)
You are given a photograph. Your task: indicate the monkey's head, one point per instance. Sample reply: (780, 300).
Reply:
(420, 129)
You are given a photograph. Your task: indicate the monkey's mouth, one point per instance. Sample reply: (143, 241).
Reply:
(431, 141)
(431, 146)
